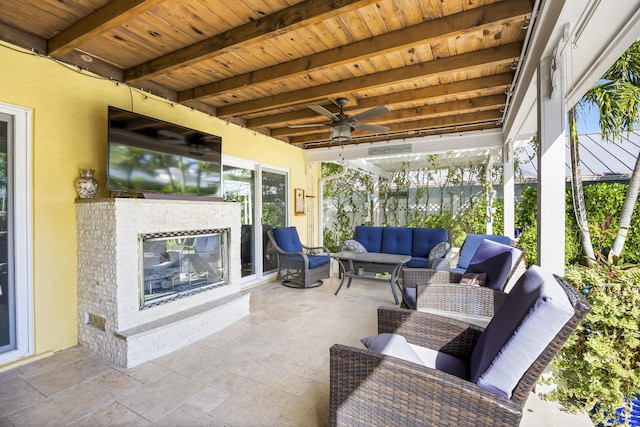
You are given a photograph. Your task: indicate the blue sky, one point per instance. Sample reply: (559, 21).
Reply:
(588, 121)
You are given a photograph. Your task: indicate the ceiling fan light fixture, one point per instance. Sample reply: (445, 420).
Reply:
(341, 133)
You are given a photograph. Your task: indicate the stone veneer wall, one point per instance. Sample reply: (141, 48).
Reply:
(110, 321)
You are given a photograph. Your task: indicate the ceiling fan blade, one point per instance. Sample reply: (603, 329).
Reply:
(371, 113)
(372, 128)
(321, 110)
(309, 125)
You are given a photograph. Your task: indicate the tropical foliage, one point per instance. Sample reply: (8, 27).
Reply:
(451, 197)
(617, 97)
(599, 368)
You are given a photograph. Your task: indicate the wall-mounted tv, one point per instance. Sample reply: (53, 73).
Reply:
(150, 156)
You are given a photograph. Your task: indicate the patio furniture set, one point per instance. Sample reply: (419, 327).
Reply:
(466, 345)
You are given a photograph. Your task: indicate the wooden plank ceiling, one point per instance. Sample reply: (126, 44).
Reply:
(437, 65)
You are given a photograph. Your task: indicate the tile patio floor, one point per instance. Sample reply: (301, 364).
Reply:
(270, 368)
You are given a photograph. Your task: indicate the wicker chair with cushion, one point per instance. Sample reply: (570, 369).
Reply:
(424, 369)
(441, 291)
(299, 266)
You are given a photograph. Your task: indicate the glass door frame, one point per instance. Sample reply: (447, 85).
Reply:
(258, 276)
(19, 215)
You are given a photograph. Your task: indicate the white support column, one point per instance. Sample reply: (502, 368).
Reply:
(508, 189)
(376, 202)
(490, 195)
(551, 164)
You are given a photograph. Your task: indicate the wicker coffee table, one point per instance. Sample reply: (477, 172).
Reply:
(394, 261)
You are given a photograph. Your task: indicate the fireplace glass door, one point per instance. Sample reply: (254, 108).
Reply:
(179, 264)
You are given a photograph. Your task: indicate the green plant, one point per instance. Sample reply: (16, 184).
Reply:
(600, 365)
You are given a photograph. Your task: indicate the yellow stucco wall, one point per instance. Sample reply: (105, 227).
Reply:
(69, 132)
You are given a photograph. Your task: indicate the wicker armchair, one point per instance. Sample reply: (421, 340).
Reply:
(369, 388)
(299, 266)
(440, 291)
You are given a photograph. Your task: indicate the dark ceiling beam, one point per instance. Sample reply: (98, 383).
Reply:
(496, 82)
(417, 125)
(291, 18)
(427, 32)
(485, 57)
(400, 136)
(463, 106)
(108, 17)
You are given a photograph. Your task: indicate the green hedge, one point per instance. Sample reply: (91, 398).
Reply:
(600, 200)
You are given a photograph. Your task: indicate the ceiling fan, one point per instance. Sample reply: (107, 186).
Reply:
(343, 124)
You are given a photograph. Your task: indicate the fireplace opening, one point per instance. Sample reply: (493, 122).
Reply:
(177, 264)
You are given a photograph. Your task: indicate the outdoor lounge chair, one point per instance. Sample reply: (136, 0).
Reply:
(429, 370)
(299, 265)
(450, 293)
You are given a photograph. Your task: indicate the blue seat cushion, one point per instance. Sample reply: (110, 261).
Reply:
(409, 297)
(288, 239)
(530, 317)
(418, 262)
(493, 259)
(396, 240)
(370, 237)
(425, 239)
(470, 246)
(318, 260)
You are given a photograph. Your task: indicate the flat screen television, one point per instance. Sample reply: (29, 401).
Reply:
(150, 156)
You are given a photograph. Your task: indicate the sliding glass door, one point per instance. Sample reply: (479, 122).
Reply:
(239, 186)
(262, 194)
(274, 213)
(7, 294)
(16, 309)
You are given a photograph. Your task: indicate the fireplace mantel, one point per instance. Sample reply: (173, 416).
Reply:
(110, 320)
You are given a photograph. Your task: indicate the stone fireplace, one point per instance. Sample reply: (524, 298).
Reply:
(155, 275)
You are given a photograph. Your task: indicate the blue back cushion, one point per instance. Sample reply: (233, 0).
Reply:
(396, 240)
(532, 314)
(493, 259)
(287, 238)
(471, 244)
(370, 237)
(424, 239)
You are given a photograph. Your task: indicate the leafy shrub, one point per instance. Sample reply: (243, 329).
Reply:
(600, 365)
(601, 199)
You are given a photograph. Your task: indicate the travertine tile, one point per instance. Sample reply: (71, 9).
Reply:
(16, 394)
(181, 414)
(190, 360)
(156, 399)
(58, 361)
(270, 368)
(54, 381)
(112, 415)
(207, 399)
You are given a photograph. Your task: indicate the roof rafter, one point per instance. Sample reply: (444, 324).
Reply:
(109, 16)
(497, 81)
(456, 107)
(284, 20)
(492, 56)
(437, 122)
(425, 32)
